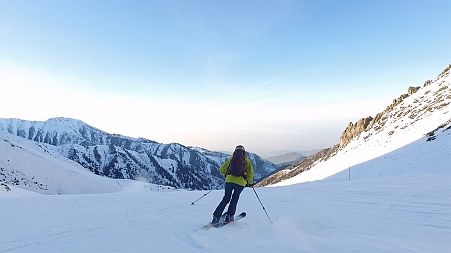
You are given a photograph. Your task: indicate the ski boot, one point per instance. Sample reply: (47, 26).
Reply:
(229, 218)
(215, 220)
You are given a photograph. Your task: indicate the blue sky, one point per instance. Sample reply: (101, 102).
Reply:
(277, 66)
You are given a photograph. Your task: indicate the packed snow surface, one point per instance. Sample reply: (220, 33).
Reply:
(404, 213)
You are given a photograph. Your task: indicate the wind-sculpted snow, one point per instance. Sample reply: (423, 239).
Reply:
(123, 157)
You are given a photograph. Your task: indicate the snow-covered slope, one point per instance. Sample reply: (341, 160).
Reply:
(123, 157)
(398, 200)
(409, 213)
(429, 154)
(36, 168)
(398, 135)
(39, 168)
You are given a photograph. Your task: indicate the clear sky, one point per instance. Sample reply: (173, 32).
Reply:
(271, 75)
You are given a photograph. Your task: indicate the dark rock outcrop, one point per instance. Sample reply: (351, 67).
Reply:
(354, 129)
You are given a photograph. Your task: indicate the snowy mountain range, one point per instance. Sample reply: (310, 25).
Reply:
(286, 159)
(120, 157)
(384, 188)
(40, 168)
(417, 120)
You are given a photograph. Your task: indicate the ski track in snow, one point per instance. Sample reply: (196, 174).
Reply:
(397, 214)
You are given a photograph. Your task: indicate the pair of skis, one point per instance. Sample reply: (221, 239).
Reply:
(222, 222)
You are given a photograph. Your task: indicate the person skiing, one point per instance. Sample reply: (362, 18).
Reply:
(238, 173)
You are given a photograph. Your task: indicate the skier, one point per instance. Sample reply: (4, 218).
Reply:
(238, 173)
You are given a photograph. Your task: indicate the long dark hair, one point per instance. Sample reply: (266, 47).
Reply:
(238, 160)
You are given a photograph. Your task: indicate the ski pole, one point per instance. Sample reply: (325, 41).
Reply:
(192, 203)
(261, 204)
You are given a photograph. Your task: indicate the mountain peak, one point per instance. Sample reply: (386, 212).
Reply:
(118, 156)
(63, 119)
(66, 122)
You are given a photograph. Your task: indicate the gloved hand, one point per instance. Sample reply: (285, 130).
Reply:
(249, 185)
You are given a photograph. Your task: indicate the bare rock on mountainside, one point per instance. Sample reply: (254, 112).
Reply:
(293, 170)
(398, 114)
(412, 90)
(123, 157)
(354, 129)
(4, 187)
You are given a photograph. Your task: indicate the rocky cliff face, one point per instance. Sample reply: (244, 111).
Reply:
(355, 129)
(435, 95)
(119, 156)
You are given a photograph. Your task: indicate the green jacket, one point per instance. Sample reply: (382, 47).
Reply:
(238, 180)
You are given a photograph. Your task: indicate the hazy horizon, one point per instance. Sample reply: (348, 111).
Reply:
(272, 76)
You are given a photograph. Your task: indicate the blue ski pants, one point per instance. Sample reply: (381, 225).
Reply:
(232, 194)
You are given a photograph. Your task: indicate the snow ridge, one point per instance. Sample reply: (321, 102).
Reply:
(409, 119)
(123, 157)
